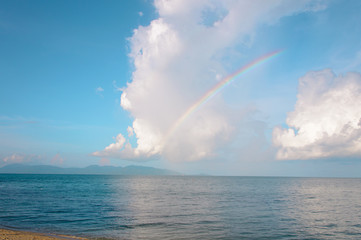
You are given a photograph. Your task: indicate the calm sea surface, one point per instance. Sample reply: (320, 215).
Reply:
(119, 207)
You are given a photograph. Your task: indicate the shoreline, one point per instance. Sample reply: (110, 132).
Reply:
(10, 234)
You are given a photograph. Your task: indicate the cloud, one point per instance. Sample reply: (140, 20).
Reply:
(177, 58)
(19, 158)
(355, 63)
(6, 121)
(104, 162)
(116, 88)
(120, 149)
(57, 160)
(130, 131)
(326, 121)
(99, 91)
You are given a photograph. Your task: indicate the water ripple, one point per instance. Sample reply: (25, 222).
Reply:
(118, 207)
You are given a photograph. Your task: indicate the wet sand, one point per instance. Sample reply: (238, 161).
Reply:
(6, 234)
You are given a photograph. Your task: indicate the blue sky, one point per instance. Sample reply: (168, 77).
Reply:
(54, 57)
(101, 82)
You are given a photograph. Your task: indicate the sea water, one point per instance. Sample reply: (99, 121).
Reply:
(182, 207)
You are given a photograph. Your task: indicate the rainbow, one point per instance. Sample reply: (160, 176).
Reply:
(219, 86)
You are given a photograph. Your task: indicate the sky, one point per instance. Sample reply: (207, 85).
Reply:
(228, 87)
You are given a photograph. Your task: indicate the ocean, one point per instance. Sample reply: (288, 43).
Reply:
(182, 207)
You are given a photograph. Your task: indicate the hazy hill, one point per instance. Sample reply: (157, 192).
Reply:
(94, 169)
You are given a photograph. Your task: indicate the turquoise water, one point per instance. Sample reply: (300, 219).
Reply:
(119, 207)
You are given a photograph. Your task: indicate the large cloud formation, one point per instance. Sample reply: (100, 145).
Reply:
(177, 58)
(326, 121)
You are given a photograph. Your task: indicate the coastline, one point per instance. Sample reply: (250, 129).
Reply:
(24, 235)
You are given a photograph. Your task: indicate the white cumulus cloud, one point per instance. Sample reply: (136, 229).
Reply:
(326, 121)
(177, 59)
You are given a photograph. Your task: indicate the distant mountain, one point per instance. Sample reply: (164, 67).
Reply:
(93, 169)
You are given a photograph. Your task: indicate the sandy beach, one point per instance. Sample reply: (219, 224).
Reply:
(6, 234)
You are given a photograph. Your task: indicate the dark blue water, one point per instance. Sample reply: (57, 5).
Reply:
(119, 207)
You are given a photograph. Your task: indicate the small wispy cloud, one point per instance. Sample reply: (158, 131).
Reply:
(104, 162)
(116, 87)
(19, 158)
(17, 121)
(57, 160)
(130, 131)
(99, 91)
(140, 14)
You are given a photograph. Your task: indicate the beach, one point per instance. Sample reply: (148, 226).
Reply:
(6, 234)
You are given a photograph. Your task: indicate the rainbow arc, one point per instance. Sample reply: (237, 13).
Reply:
(219, 86)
